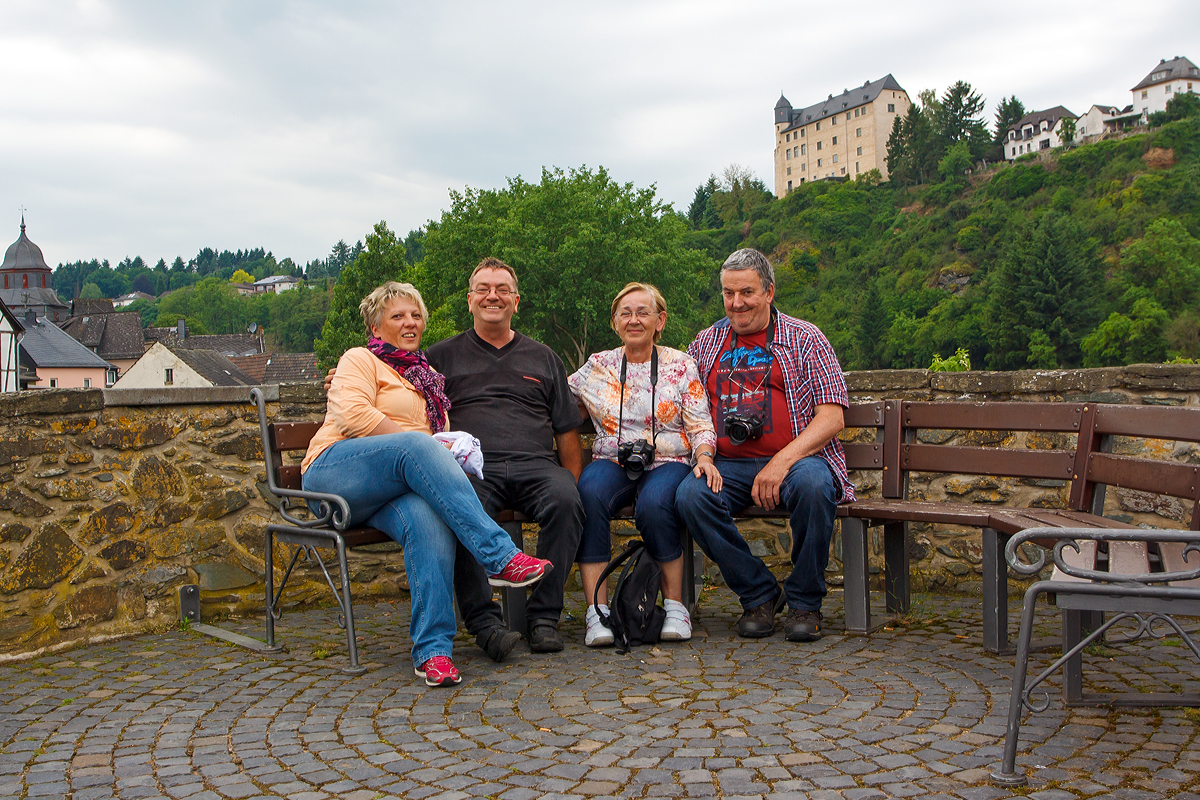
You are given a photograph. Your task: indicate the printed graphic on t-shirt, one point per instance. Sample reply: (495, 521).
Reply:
(743, 382)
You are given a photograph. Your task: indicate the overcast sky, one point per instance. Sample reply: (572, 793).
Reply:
(157, 128)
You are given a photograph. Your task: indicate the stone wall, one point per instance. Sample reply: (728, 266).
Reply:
(112, 499)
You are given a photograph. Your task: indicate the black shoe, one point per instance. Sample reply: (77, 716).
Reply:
(544, 637)
(802, 626)
(497, 641)
(760, 620)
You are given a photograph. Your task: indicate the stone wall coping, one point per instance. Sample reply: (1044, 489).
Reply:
(185, 396)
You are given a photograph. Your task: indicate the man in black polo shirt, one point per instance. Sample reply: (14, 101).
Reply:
(511, 393)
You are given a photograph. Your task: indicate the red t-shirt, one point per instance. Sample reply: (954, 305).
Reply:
(748, 380)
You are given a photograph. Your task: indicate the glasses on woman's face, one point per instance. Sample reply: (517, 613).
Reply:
(642, 314)
(501, 291)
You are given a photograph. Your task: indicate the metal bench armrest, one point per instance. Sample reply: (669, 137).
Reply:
(332, 510)
(1069, 537)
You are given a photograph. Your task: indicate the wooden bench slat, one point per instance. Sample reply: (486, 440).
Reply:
(292, 435)
(1084, 559)
(288, 477)
(356, 537)
(993, 416)
(1158, 477)
(1171, 554)
(1128, 558)
(1153, 422)
(864, 415)
(987, 461)
(889, 510)
(863, 455)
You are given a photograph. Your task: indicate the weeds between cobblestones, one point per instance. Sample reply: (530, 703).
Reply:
(916, 710)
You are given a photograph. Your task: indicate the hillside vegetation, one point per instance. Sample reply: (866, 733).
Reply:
(1087, 257)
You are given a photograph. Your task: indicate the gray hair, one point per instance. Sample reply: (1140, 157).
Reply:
(749, 258)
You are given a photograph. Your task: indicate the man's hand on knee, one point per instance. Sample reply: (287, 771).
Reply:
(765, 492)
(329, 379)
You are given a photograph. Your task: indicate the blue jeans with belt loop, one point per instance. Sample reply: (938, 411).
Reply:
(410, 487)
(810, 493)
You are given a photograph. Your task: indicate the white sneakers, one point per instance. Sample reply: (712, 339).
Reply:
(597, 634)
(678, 626)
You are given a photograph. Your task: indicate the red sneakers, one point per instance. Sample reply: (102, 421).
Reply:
(439, 671)
(521, 571)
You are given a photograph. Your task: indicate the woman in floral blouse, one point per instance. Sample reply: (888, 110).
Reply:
(616, 389)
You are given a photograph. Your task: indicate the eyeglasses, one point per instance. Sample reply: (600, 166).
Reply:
(501, 291)
(642, 314)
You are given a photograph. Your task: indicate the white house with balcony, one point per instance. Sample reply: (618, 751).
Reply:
(1036, 131)
(276, 284)
(1168, 79)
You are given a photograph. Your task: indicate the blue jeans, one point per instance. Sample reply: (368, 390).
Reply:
(410, 487)
(809, 493)
(605, 489)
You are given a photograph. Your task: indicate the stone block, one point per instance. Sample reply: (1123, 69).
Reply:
(50, 402)
(156, 479)
(1173, 377)
(1146, 503)
(211, 418)
(124, 553)
(123, 433)
(67, 489)
(131, 602)
(89, 605)
(935, 435)
(108, 522)
(88, 572)
(169, 514)
(219, 576)
(80, 457)
(883, 380)
(72, 426)
(302, 392)
(225, 503)
(14, 532)
(190, 538)
(47, 558)
(246, 446)
(161, 574)
(21, 505)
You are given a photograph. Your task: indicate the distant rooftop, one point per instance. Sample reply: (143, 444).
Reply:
(1177, 67)
(848, 99)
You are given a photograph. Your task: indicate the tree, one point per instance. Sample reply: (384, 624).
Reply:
(575, 239)
(90, 292)
(1167, 262)
(702, 213)
(1047, 279)
(241, 276)
(143, 283)
(1008, 114)
(740, 193)
(1066, 131)
(956, 118)
(414, 246)
(382, 260)
(956, 161)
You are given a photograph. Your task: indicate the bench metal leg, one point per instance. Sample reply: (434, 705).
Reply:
(512, 599)
(1007, 774)
(898, 593)
(347, 604)
(693, 578)
(995, 592)
(1072, 633)
(856, 576)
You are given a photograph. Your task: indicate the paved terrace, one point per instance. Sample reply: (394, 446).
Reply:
(915, 711)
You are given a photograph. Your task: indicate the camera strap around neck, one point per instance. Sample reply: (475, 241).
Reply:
(653, 388)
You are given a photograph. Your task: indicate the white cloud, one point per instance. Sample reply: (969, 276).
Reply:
(140, 127)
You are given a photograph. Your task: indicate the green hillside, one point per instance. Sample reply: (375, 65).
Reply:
(1089, 257)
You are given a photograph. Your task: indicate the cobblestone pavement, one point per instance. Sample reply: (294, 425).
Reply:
(914, 711)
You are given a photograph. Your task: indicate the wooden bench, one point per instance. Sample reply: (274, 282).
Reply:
(1088, 467)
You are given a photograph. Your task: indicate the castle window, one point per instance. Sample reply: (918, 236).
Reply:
(835, 140)
(858, 131)
(818, 124)
(859, 153)
(818, 162)
(847, 116)
(819, 145)
(787, 137)
(802, 131)
(6, 280)
(834, 120)
(803, 149)
(789, 170)
(789, 186)
(835, 155)
(892, 107)
(789, 152)
(803, 167)
(856, 112)
(856, 166)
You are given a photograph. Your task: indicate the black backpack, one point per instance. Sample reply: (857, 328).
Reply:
(634, 614)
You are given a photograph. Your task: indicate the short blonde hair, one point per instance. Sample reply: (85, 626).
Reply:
(372, 305)
(660, 305)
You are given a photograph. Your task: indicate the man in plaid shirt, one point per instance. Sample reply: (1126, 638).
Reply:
(777, 394)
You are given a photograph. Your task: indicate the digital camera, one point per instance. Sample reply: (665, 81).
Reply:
(635, 457)
(742, 427)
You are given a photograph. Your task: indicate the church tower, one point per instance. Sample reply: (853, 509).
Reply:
(25, 281)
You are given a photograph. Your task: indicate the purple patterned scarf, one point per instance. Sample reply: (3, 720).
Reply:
(414, 368)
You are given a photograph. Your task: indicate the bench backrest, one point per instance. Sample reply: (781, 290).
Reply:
(283, 437)
(906, 454)
(1097, 467)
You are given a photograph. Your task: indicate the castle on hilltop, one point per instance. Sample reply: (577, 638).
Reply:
(840, 137)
